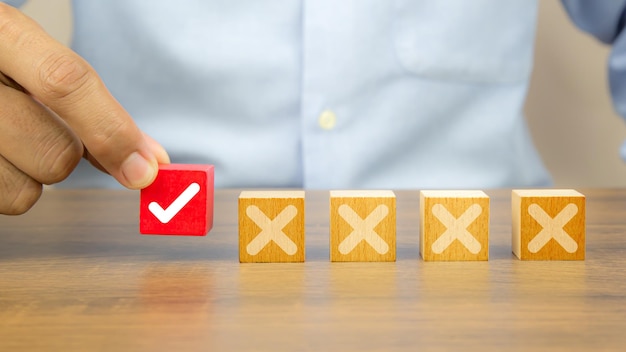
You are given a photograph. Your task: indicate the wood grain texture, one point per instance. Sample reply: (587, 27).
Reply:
(548, 224)
(76, 275)
(362, 226)
(454, 225)
(271, 227)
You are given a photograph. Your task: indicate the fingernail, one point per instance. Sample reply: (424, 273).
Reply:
(137, 171)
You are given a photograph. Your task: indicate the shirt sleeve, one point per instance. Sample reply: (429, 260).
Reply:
(14, 3)
(605, 20)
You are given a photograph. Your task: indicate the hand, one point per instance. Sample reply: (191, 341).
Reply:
(54, 109)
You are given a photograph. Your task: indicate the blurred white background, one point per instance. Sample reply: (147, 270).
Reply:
(568, 108)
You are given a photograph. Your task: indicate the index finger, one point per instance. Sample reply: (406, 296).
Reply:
(68, 85)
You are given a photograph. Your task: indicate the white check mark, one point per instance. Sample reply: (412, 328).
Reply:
(165, 215)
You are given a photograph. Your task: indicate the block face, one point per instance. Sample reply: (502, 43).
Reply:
(179, 201)
(271, 226)
(454, 225)
(362, 226)
(548, 224)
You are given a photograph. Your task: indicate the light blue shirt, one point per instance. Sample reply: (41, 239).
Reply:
(328, 94)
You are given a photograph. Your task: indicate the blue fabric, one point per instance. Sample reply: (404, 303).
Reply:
(426, 94)
(605, 20)
(599, 18)
(15, 3)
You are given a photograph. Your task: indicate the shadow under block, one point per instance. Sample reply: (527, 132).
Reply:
(454, 225)
(179, 201)
(362, 226)
(271, 226)
(548, 224)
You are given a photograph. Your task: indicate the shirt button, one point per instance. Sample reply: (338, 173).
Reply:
(327, 120)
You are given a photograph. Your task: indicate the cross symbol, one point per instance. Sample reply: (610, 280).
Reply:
(271, 230)
(552, 228)
(456, 228)
(363, 229)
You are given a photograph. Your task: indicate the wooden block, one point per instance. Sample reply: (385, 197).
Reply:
(178, 202)
(271, 226)
(362, 226)
(454, 225)
(548, 224)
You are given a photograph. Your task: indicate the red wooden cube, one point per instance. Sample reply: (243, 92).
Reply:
(178, 202)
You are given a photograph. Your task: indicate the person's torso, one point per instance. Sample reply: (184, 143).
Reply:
(325, 94)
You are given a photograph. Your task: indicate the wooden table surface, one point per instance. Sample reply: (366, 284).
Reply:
(76, 275)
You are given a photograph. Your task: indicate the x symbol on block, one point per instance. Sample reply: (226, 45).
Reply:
(456, 228)
(553, 228)
(271, 230)
(363, 229)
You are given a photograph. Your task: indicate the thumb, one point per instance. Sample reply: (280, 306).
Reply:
(134, 173)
